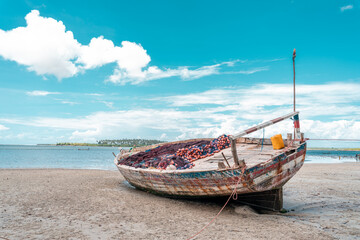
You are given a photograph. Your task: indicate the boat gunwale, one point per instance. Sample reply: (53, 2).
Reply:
(192, 170)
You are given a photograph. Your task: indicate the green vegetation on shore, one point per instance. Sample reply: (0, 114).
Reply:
(76, 144)
(115, 143)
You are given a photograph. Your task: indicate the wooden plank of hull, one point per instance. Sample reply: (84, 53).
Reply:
(211, 183)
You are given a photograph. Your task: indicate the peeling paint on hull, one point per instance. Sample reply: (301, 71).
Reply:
(271, 174)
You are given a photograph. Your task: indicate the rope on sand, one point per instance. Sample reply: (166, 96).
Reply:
(232, 195)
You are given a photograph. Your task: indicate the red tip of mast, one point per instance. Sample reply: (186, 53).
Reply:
(294, 53)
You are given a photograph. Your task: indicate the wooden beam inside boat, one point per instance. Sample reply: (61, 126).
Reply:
(234, 152)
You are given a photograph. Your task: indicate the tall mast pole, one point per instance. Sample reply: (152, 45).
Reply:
(293, 58)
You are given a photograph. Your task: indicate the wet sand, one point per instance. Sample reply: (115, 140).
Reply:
(323, 200)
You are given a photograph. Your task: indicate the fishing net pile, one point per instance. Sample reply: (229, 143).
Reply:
(180, 155)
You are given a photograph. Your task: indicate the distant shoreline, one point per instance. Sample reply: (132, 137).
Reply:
(335, 149)
(78, 145)
(128, 145)
(110, 145)
(84, 145)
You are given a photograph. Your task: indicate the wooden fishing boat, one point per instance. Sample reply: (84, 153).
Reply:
(250, 165)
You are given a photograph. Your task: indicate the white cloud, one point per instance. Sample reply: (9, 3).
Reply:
(100, 51)
(152, 73)
(69, 102)
(326, 111)
(163, 137)
(316, 129)
(347, 7)
(178, 124)
(18, 136)
(43, 45)
(335, 99)
(342, 129)
(250, 71)
(131, 58)
(95, 94)
(133, 123)
(2, 127)
(40, 93)
(85, 136)
(339, 113)
(108, 104)
(46, 47)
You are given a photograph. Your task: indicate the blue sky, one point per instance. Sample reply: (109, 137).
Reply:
(171, 70)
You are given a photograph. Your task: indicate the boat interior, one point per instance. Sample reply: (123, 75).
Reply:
(252, 151)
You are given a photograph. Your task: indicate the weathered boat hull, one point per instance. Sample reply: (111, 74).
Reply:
(269, 175)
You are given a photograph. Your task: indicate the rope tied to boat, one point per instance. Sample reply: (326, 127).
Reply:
(233, 195)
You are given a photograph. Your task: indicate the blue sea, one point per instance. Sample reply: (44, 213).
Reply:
(45, 156)
(74, 157)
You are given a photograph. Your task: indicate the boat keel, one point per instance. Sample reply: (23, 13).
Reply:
(271, 200)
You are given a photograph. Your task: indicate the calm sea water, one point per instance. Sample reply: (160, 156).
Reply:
(23, 156)
(20, 156)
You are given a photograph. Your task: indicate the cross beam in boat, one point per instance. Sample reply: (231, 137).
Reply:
(258, 127)
(263, 125)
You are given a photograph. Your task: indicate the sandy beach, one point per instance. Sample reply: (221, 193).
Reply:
(323, 200)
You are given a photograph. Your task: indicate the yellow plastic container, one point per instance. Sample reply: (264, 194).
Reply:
(277, 142)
